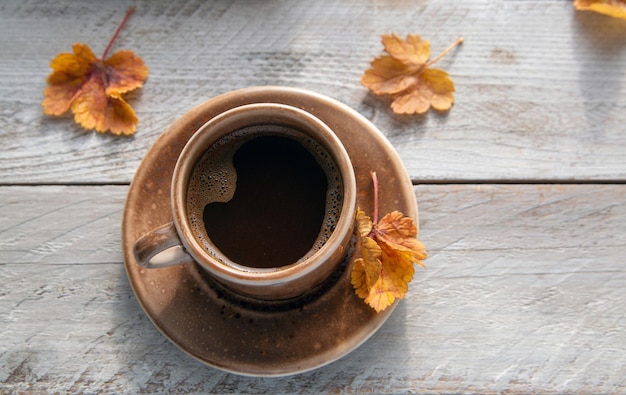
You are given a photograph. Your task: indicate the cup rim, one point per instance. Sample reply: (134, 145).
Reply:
(226, 123)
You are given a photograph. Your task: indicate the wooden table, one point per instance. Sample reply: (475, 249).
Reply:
(520, 188)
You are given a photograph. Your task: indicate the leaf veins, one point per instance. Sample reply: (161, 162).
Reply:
(389, 248)
(614, 8)
(92, 87)
(404, 73)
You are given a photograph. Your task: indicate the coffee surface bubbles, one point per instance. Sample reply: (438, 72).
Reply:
(264, 196)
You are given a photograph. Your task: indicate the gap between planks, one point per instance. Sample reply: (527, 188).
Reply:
(414, 181)
(546, 181)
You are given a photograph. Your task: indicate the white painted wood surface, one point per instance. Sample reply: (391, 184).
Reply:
(526, 284)
(540, 88)
(524, 293)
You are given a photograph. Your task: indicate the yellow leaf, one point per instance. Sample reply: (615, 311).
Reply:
(91, 88)
(614, 8)
(382, 294)
(433, 88)
(358, 278)
(69, 73)
(412, 51)
(389, 250)
(411, 102)
(397, 234)
(388, 76)
(368, 268)
(364, 223)
(93, 109)
(129, 72)
(405, 74)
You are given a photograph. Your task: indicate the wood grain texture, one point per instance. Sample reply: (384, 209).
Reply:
(526, 283)
(524, 293)
(540, 88)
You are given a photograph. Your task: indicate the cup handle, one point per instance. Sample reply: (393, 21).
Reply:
(160, 248)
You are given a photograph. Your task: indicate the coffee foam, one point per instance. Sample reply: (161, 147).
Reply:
(214, 179)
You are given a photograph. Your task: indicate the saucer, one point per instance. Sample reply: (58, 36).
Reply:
(234, 335)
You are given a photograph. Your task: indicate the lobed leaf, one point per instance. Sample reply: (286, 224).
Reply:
(412, 51)
(388, 76)
(388, 254)
(92, 88)
(614, 8)
(405, 74)
(389, 250)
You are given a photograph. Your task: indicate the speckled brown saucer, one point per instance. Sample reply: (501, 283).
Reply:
(241, 336)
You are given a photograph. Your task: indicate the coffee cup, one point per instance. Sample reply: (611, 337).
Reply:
(263, 199)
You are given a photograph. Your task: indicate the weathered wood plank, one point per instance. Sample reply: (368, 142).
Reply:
(60, 225)
(540, 88)
(524, 293)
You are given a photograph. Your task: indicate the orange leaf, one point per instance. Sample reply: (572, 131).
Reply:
(359, 279)
(388, 76)
(405, 74)
(389, 249)
(367, 269)
(614, 8)
(396, 235)
(411, 52)
(364, 223)
(434, 89)
(128, 72)
(382, 294)
(69, 74)
(91, 88)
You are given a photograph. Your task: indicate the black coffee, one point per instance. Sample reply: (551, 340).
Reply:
(264, 198)
(278, 207)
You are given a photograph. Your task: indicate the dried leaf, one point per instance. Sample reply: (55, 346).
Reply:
(367, 269)
(389, 249)
(405, 74)
(413, 51)
(92, 88)
(614, 8)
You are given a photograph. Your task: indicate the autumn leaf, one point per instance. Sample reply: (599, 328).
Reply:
(406, 75)
(614, 8)
(92, 87)
(389, 250)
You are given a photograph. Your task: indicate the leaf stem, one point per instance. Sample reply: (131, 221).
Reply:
(375, 182)
(445, 51)
(117, 31)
